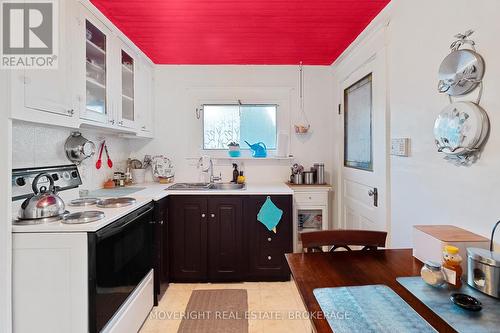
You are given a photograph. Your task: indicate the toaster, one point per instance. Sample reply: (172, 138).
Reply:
(483, 271)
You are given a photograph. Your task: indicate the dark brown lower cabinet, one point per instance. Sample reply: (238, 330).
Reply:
(266, 249)
(218, 238)
(160, 239)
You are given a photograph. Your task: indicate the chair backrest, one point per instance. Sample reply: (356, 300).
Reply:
(315, 240)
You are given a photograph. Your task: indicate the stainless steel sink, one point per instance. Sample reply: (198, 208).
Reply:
(227, 186)
(190, 186)
(206, 186)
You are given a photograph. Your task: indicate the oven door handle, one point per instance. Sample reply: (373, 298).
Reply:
(114, 229)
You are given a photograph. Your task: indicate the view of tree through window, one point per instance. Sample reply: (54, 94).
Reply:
(223, 124)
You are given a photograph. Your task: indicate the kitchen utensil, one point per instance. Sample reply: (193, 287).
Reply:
(110, 163)
(44, 202)
(466, 302)
(461, 128)
(460, 72)
(98, 164)
(115, 202)
(308, 177)
(259, 149)
(483, 271)
(78, 148)
(83, 217)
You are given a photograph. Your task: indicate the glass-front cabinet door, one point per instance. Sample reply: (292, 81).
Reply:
(95, 92)
(128, 77)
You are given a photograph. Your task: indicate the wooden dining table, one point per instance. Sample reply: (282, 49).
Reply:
(356, 268)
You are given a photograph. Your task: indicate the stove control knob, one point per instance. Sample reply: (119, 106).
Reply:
(20, 181)
(55, 176)
(66, 175)
(74, 174)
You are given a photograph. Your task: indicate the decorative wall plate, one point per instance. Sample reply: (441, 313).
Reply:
(162, 167)
(461, 128)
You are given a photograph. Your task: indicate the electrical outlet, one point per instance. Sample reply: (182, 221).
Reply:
(400, 147)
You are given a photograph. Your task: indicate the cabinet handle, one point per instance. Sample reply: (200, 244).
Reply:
(111, 121)
(71, 112)
(203, 215)
(269, 239)
(269, 258)
(212, 215)
(120, 123)
(161, 222)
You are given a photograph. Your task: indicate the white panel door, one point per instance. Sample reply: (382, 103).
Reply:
(364, 155)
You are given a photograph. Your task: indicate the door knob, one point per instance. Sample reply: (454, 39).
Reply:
(374, 193)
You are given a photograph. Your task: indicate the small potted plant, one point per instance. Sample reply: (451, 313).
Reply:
(234, 149)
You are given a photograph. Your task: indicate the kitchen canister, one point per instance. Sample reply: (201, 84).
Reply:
(297, 178)
(138, 176)
(308, 177)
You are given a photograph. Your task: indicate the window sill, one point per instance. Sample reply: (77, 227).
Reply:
(246, 158)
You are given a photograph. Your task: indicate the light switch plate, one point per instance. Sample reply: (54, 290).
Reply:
(400, 147)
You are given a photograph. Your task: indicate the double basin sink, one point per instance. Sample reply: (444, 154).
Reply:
(206, 186)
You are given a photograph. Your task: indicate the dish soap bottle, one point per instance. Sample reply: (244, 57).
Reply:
(452, 268)
(241, 178)
(236, 173)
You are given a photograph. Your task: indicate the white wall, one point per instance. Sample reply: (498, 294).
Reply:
(5, 215)
(39, 145)
(178, 133)
(425, 188)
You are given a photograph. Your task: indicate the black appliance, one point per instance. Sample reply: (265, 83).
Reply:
(120, 256)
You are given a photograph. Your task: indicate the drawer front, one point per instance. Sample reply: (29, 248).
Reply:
(312, 198)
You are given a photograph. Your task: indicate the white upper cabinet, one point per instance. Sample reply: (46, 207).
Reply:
(94, 72)
(102, 80)
(127, 71)
(144, 99)
(46, 95)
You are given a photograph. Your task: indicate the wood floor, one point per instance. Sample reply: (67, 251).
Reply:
(274, 307)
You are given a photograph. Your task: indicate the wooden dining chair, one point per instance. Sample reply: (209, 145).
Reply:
(341, 239)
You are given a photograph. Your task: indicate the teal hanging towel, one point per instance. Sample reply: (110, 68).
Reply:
(269, 215)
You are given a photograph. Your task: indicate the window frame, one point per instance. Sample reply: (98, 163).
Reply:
(272, 151)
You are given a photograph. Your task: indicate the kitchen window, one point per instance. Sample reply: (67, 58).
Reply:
(225, 123)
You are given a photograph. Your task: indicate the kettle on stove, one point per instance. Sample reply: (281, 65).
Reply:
(44, 202)
(259, 149)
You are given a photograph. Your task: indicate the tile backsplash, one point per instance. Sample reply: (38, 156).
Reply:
(37, 145)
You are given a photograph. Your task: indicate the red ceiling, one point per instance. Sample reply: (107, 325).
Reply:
(272, 32)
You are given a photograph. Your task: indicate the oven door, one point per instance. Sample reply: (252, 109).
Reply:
(120, 256)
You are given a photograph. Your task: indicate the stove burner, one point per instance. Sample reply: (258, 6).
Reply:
(41, 220)
(115, 202)
(83, 217)
(84, 202)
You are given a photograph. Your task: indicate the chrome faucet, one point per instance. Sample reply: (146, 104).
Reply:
(211, 171)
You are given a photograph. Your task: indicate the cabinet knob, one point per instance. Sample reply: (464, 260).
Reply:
(203, 215)
(161, 222)
(310, 198)
(143, 127)
(212, 215)
(71, 112)
(269, 239)
(120, 123)
(269, 258)
(111, 121)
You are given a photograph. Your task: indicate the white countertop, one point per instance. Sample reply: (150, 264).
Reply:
(148, 192)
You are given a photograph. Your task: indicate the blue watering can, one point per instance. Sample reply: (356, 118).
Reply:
(259, 149)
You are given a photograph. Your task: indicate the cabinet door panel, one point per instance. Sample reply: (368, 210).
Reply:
(50, 90)
(225, 239)
(266, 248)
(160, 248)
(188, 238)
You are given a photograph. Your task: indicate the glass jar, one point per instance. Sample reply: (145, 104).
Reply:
(431, 273)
